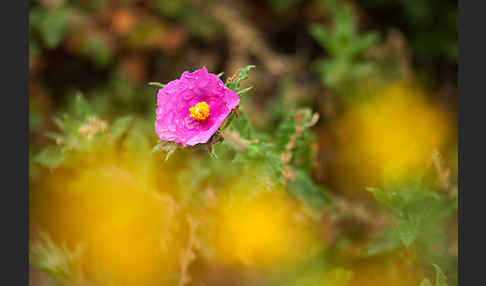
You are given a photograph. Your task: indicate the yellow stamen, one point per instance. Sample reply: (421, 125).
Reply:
(200, 111)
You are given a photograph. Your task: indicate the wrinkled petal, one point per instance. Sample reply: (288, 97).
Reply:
(176, 97)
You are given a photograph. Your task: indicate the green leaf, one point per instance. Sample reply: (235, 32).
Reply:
(81, 107)
(244, 91)
(154, 83)
(243, 126)
(53, 26)
(288, 126)
(51, 157)
(242, 75)
(60, 123)
(54, 136)
(57, 261)
(320, 35)
(412, 205)
(365, 42)
(381, 195)
(228, 120)
(408, 230)
(345, 45)
(440, 278)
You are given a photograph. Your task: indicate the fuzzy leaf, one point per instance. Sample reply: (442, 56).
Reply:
(244, 91)
(242, 125)
(320, 35)
(56, 261)
(242, 75)
(440, 278)
(52, 25)
(81, 108)
(413, 206)
(408, 230)
(51, 157)
(310, 195)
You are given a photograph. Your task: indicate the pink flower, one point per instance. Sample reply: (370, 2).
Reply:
(191, 109)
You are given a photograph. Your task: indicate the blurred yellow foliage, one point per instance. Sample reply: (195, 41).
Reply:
(130, 233)
(387, 273)
(389, 137)
(259, 228)
(334, 277)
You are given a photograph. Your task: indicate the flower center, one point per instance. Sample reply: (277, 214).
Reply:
(200, 111)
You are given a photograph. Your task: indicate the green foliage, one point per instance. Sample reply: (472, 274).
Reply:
(242, 75)
(345, 46)
(315, 271)
(33, 51)
(414, 207)
(171, 8)
(161, 85)
(120, 96)
(98, 51)
(419, 213)
(385, 241)
(80, 107)
(431, 26)
(120, 126)
(191, 181)
(51, 24)
(252, 146)
(167, 147)
(50, 157)
(97, 6)
(81, 130)
(59, 263)
(35, 120)
(285, 155)
(440, 278)
(313, 198)
(262, 150)
(281, 5)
